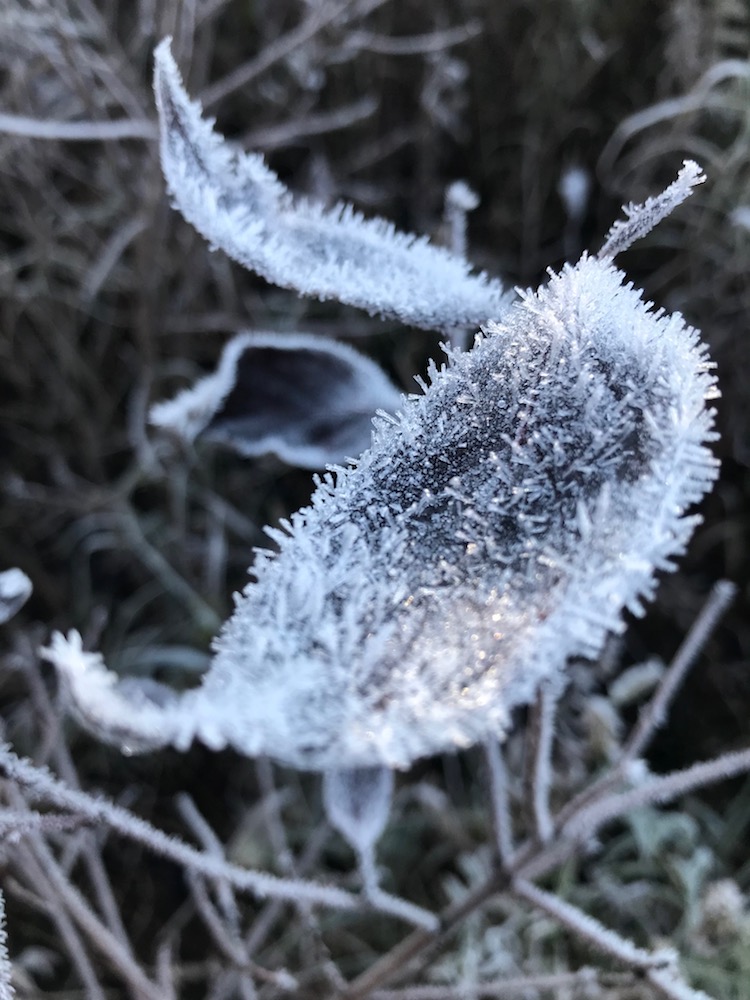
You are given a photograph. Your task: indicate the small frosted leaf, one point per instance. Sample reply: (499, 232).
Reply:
(357, 802)
(641, 219)
(15, 590)
(307, 399)
(241, 207)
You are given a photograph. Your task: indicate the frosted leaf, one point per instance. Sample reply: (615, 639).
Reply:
(357, 803)
(15, 590)
(641, 219)
(499, 525)
(241, 207)
(309, 400)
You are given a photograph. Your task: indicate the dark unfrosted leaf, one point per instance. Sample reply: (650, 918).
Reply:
(241, 207)
(307, 399)
(15, 590)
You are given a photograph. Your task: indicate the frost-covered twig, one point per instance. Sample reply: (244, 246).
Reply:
(81, 131)
(580, 983)
(655, 712)
(44, 787)
(118, 955)
(655, 791)
(652, 715)
(586, 928)
(542, 732)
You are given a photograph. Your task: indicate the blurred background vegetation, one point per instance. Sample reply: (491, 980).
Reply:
(554, 111)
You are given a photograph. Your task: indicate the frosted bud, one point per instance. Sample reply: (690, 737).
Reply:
(357, 803)
(15, 590)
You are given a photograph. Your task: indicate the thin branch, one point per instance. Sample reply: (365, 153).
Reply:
(111, 949)
(540, 736)
(42, 785)
(411, 45)
(587, 928)
(6, 969)
(655, 712)
(81, 131)
(66, 930)
(587, 821)
(318, 123)
(319, 17)
(581, 982)
(501, 814)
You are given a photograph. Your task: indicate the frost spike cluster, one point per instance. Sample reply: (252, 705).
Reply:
(241, 207)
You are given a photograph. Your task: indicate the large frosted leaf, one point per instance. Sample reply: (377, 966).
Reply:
(241, 207)
(500, 524)
(307, 399)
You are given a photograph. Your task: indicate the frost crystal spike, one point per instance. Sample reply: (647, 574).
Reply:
(241, 207)
(500, 524)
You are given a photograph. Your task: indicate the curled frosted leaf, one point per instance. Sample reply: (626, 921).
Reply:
(499, 524)
(241, 207)
(357, 802)
(307, 399)
(15, 590)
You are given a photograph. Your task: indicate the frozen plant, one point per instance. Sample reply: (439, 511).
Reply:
(499, 524)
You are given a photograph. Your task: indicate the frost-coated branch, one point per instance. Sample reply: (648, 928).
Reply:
(41, 785)
(655, 791)
(655, 712)
(501, 813)
(543, 733)
(241, 207)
